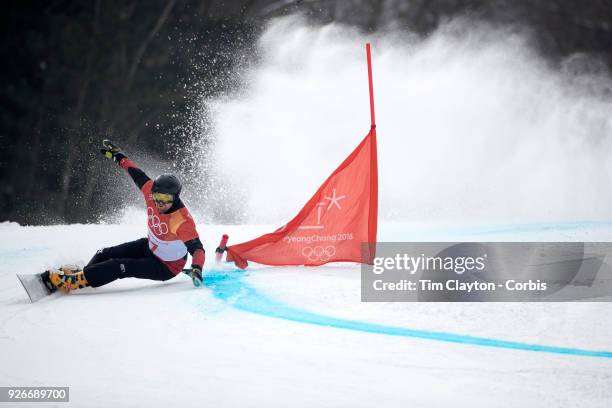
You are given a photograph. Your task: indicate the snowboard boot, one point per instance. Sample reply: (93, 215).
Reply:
(66, 278)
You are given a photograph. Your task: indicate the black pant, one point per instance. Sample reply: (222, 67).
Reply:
(130, 260)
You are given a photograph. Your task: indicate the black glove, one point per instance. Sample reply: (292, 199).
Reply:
(111, 151)
(195, 273)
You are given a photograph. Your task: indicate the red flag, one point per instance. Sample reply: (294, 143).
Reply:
(333, 224)
(337, 224)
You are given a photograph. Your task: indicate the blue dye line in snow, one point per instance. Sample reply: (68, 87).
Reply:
(230, 287)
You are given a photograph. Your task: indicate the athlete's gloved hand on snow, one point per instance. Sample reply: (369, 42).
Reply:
(195, 273)
(111, 151)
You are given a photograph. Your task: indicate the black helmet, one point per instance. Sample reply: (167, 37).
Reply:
(167, 184)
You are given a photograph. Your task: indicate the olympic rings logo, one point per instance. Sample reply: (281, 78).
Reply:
(319, 253)
(160, 228)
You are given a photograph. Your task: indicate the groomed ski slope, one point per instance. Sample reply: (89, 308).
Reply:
(293, 336)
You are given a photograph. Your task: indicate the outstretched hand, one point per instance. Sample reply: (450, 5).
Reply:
(110, 149)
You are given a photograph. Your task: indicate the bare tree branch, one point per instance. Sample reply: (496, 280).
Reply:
(143, 47)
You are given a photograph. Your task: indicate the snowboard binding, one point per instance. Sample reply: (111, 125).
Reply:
(65, 278)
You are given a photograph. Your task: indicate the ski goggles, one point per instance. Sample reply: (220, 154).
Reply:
(163, 198)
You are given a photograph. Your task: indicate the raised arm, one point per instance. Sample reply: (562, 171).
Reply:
(112, 151)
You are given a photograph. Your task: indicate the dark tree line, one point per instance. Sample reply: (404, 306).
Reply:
(77, 71)
(80, 71)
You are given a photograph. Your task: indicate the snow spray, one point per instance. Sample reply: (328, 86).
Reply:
(474, 125)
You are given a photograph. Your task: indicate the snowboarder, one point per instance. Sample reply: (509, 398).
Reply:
(161, 256)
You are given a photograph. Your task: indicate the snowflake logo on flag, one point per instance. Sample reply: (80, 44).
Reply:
(334, 201)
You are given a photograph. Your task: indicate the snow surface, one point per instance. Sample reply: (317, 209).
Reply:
(275, 336)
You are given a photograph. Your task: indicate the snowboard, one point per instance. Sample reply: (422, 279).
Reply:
(35, 287)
